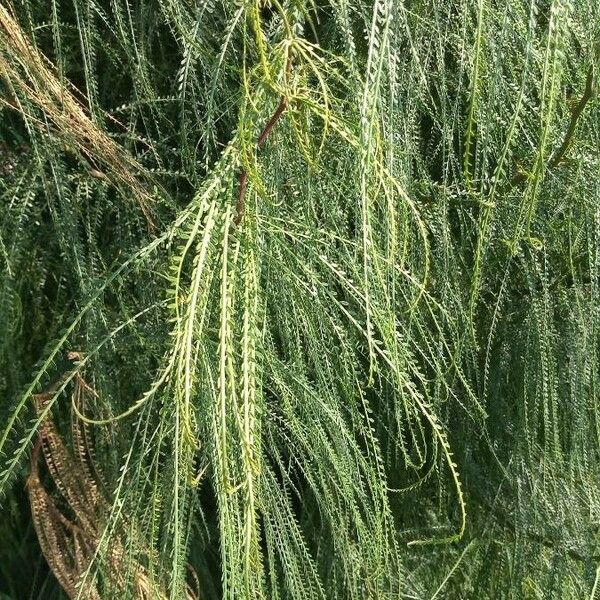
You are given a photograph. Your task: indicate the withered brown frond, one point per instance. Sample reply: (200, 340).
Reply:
(70, 527)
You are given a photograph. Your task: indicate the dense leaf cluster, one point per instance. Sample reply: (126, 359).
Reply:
(331, 269)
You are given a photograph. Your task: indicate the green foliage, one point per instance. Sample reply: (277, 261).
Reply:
(379, 379)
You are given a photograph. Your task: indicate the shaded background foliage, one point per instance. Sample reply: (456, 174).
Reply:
(397, 344)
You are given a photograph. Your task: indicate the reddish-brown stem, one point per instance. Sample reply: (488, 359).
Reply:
(240, 207)
(273, 121)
